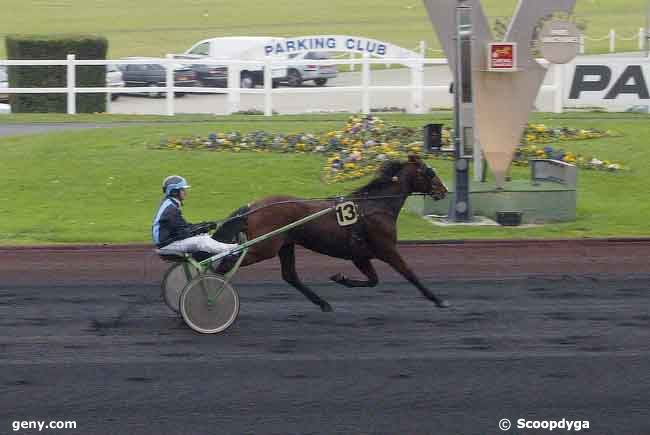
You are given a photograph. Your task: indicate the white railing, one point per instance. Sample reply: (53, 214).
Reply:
(415, 87)
(641, 37)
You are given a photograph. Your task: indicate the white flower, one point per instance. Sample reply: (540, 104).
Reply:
(596, 162)
(614, 167)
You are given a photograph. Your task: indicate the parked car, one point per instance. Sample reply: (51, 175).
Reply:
(320, 74)
(114, 80)
(4, 83)
(153, 74)
(238, 48)
(213, 76)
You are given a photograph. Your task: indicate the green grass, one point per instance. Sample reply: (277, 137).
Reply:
(157, 27)
(103, 185)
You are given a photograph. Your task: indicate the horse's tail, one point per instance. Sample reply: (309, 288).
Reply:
(237, 222)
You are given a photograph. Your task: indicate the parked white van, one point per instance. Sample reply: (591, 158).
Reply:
(237, 48)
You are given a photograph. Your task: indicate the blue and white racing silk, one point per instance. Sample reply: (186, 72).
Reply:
(169, 225)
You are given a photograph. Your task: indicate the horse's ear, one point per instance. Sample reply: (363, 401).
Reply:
(413, 158)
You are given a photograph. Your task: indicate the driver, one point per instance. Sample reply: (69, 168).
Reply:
(171, 231)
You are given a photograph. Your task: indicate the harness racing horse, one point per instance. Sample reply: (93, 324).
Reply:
(374, 236)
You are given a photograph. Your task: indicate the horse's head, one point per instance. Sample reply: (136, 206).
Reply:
(423, 178)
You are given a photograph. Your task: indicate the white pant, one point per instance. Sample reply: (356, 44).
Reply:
(202, 243)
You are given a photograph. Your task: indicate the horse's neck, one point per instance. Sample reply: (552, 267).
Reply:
(390, 199)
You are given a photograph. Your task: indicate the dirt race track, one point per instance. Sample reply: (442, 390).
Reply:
(536, 331)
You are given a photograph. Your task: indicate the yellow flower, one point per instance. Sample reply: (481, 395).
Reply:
(349, 166)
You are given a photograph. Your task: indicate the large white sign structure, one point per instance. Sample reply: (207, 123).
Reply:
(502, 100)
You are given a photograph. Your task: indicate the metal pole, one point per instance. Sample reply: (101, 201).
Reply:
(463, 114)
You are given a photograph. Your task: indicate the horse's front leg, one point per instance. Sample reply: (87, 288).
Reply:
(365, 266)
(288, 261)
(392, 257)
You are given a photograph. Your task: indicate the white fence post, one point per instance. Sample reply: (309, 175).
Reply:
(423, 48)
(71, 80)
(365, 84)
(234, 96)
(108, 102)
(169, 84)
(351, 58)
(417, 72)
(612, 41)
(641, 38)
(268, 87)
(581, 49)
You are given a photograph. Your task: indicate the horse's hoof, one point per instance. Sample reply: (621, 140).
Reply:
(326, 308)
(338, 277)
(443, 304)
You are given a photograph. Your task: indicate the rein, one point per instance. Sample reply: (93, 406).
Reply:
(298, 201)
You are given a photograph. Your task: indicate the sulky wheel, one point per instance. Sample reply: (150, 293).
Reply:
(209, 304)
(174, 281)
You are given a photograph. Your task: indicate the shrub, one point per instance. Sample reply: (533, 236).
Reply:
(32, 47)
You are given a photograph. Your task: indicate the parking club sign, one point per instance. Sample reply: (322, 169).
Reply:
(502, 56)
(340, 43)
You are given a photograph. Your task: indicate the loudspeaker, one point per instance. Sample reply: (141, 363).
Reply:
(432, 137)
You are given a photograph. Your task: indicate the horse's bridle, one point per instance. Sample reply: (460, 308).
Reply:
(427, 173)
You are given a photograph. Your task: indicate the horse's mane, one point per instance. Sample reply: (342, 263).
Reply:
(384, 177)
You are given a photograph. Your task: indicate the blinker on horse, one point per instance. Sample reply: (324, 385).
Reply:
(373, 236)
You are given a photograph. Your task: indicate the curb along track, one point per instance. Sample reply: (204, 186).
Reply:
(431, 260)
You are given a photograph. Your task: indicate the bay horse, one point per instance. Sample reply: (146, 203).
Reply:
(374, 236)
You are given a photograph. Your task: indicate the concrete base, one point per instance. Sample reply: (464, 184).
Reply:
(541, 202)
(477, 221)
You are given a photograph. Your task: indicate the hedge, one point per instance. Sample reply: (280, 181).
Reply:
(31, 47)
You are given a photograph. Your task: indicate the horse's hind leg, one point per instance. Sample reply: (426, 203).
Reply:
(288, 261)
(393, 258)
(365, 266)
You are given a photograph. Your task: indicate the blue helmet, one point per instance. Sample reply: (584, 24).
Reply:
(174, 182)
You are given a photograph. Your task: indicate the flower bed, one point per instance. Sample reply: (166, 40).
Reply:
(365, 142)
